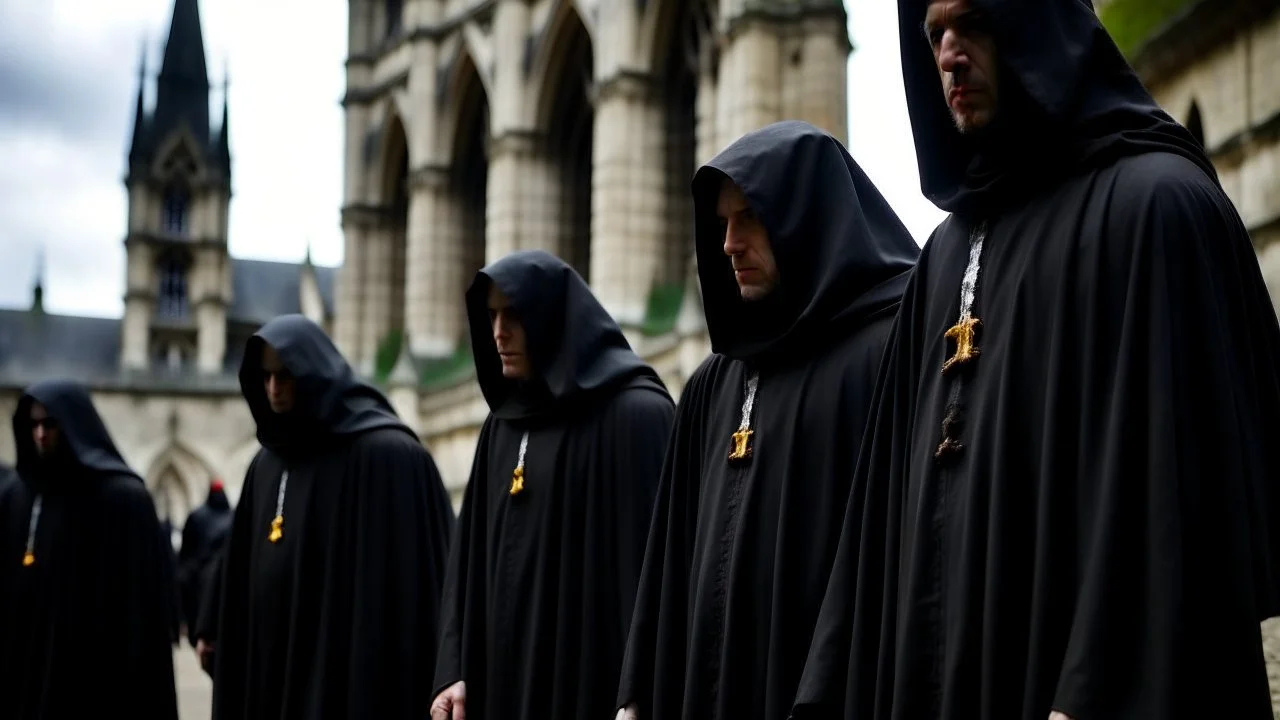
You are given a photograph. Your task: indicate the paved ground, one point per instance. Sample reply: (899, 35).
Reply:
(194, 687)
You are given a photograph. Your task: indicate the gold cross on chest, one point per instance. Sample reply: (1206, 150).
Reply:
(963, 334)
(740, 440)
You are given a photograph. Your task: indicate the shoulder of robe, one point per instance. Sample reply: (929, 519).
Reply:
(1163, 183)
(640, 400)
(127, 494)
(390, 443)
(703, 376)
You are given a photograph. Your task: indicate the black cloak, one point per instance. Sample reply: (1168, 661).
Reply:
(1102, 543)
(338, 618)
(203, 535)
(84, 629)
(541, 584)
(738, 556)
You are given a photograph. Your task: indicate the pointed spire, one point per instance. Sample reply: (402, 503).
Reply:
(37, 290)
(307, 260)
(138, 145)
(182, 90)
(223, 151)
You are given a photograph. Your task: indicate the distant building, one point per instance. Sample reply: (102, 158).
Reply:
(164, 375)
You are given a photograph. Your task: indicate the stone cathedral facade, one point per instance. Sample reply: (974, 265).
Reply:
(479, 127)
(164, 375)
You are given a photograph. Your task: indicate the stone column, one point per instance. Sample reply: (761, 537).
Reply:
(515, 196)
(750, 82)
(376, 281)
(434, 285)
(815, 77)
(627, 199)
(708, 143)
(350, 303)
(139, 306)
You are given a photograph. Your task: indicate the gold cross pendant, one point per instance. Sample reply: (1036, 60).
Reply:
(277, 529)
(517, 481)
(741, 451)
(963, 333)
(28, 559)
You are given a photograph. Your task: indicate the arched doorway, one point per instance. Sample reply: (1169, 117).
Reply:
(569, 138)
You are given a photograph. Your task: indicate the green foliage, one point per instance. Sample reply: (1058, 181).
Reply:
(663, 308)
(445, 370)
(387, 355)
(1132, 22)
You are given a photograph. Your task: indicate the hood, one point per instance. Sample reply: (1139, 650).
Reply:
(575, 347)
(842, 254)
(84, 435)
(329, 399)
(1069, 102)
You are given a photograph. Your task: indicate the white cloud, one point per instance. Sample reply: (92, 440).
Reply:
(879, 128)
(285, 59)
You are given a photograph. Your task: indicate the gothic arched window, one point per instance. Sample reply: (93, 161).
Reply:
(171, 300)
(174, 219)
(394, 10)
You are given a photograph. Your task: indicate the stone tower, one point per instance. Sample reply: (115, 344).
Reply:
(480, 127)
(179, 184)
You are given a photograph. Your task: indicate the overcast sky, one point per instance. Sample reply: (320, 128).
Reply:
(68, 78)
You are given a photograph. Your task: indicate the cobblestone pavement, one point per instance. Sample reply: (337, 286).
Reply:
(194, 688)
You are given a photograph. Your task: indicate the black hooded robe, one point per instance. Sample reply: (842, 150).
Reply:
(203, 535)
(338, 618)
(738, 555)
(84, 629)
(541, 584)
(1103, 542)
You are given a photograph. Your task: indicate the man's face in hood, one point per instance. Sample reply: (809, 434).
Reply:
(277, 381)
(508, 336)
(746, 242)
(44, 431)
(965, 53)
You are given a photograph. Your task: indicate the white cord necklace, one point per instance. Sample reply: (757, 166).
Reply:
(277, 523)
(740, 447)
(517, 475)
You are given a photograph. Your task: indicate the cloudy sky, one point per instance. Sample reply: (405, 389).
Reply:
(68, 78)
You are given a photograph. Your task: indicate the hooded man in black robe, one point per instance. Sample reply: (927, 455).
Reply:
(543, 572)
(85, 609)
(331, 577)
(802, 263)
(203, 535)
(1066, 501)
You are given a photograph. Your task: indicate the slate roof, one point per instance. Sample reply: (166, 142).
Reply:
(35, 344)
(261, 290)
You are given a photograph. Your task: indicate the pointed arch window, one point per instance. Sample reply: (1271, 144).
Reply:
(171, 298)
(395, 8)
(175, 211)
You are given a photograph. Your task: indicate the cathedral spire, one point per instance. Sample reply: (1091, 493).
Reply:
(222, 153)
(182, 90)
(37, 290)
(138, 146)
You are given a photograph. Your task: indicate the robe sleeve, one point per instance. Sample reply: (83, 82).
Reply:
(662, 596)
(641, 429)
(464, 581)
(137, 595)
(1176, 493)
(405, 521)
